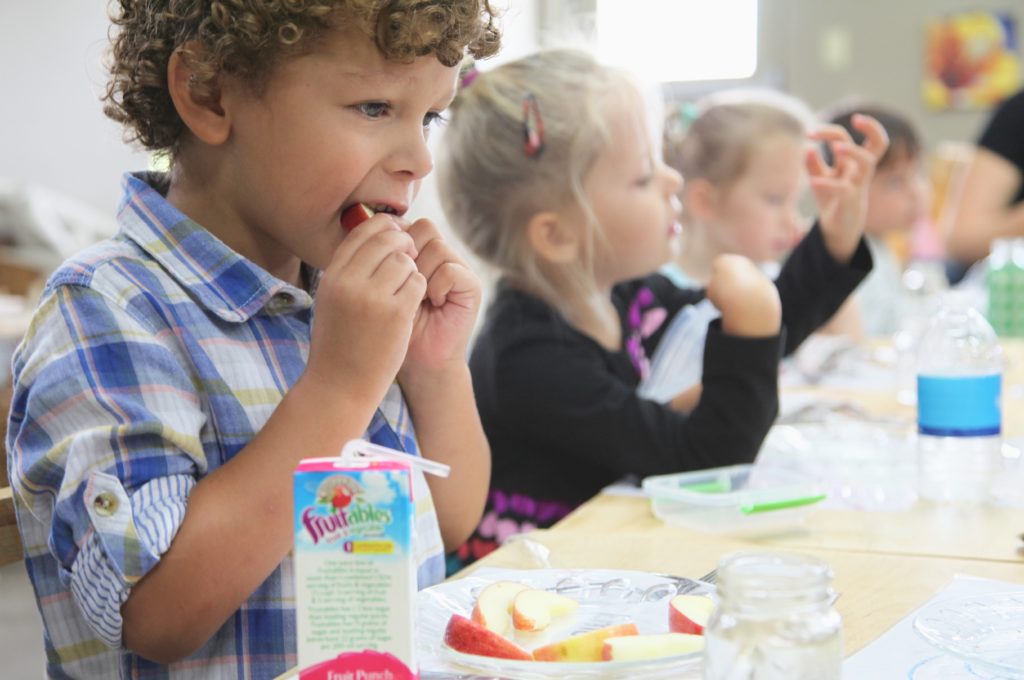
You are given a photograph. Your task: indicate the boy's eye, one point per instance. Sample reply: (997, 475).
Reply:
(434, 119)
(373, 109)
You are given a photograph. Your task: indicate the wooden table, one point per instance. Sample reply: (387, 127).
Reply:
(925, 530)
(885, 564)
(876, 589)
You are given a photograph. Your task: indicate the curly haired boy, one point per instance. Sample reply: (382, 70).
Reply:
(174, 375)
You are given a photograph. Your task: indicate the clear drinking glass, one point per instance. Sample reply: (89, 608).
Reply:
(774, 620)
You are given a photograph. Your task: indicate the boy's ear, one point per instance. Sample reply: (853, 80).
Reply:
(552, 237)
(700, 197)
(201, 112)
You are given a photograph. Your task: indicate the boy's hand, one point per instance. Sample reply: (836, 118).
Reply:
(747, 299)
(841, 190)
(445, 318)
(366, 302)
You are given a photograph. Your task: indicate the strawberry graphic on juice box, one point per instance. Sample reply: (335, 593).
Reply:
(355, 569)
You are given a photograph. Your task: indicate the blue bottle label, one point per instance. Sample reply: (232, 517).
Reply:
(959, 406)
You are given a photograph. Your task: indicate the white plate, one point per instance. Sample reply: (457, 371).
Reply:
(606, 597)
(985, 630)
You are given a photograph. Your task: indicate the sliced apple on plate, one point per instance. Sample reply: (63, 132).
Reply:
(470, 637)
(493, 607)
(689, 613)
(584, 646)
(533, 609)
(655, 646)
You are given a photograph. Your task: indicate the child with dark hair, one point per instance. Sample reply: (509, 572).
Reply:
(897, 203)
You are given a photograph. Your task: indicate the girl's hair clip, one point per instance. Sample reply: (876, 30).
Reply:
(533, 126)
(360, 448)
(468, 73)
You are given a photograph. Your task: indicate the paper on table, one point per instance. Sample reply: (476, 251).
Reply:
(901, 654)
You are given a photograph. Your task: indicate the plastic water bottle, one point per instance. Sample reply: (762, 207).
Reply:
(959, 383)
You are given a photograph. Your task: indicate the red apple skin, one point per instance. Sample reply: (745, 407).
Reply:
(470, 637)
(354, 216)
(681, 623)
(677, 623)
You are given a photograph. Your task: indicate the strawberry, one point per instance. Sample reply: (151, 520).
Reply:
(355, 215)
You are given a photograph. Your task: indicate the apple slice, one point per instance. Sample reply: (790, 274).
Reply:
(470, 637)
(533, 609)
(494, 605)
(638, 647)
(585, 646)
(355, 215)
(689, 613)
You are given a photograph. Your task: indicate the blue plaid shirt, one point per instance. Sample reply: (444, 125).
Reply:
(153, 358)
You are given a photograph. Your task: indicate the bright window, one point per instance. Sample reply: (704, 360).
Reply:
(679, 40)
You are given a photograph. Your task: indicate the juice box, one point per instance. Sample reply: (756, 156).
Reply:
(355, 569)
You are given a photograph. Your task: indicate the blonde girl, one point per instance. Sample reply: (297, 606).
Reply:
(743, 162)
(550, 174)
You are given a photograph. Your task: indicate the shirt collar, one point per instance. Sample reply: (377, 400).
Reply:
(217, 277)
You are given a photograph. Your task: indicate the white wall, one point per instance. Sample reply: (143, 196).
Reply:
(52, 128)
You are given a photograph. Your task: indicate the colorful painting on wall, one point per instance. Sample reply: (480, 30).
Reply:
(971, 60)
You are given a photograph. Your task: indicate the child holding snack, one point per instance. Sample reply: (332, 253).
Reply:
(741, 154)
(550, 174)
(174, 376)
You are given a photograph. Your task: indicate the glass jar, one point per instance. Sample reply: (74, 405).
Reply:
(774, 620)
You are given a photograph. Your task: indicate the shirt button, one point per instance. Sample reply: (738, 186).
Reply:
(286, 298)
(105, 504)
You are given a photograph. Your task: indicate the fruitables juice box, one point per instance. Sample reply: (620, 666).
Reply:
(355, 570)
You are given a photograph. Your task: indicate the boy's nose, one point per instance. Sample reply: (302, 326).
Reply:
(412, 157)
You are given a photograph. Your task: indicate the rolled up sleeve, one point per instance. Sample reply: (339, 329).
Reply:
(128, 534)
(109, 448)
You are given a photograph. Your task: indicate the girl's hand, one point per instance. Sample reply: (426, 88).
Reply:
(841, 190)
(747, 299)
(445, 318)
(366, 303)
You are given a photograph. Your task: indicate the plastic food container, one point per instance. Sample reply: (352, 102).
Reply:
(738, 500)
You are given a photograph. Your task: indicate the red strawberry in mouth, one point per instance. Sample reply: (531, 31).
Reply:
(355, 215)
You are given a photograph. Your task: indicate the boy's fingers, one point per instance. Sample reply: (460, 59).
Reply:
(441, 284)
(423, 231)
(374, 250)
(876, 140)
(432, 255)
(412, 290)
(356, 238)
(393, 272)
